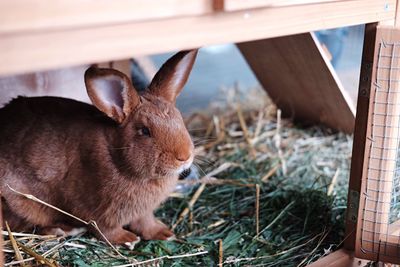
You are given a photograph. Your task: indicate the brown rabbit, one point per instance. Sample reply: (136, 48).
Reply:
(113, 162)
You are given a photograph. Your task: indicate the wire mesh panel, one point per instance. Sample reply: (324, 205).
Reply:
(378, 236)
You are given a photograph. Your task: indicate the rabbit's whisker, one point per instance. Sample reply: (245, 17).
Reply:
(204, 162)
(203, 159)
(200, 169)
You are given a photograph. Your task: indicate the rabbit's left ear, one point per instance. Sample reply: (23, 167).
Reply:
(111, 92)
(170, 79)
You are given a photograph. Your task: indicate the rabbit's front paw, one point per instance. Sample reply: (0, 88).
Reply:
(121, 237)
(150, 228)
(157, 231)
(161, 234)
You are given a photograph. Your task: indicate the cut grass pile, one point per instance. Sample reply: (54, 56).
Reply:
(272, 194)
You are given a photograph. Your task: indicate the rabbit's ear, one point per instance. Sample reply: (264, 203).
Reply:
(170, 79)
(111, 92)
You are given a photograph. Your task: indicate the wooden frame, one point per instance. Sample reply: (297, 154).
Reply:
(62, 33)
(373, 239)
(38, 44)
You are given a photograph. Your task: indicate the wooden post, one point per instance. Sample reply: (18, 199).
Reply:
(360, 133)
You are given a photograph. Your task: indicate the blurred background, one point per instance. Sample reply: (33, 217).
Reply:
(223, 66)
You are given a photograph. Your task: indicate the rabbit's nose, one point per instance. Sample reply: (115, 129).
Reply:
(182, 156)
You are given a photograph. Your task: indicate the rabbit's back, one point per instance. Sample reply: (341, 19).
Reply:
(40, 136)
(22, 112)
(40, 143)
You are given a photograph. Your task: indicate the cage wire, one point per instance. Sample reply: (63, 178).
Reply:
(380, 220)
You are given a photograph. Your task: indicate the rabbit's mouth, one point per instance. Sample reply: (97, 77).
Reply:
(185, 166)
(178, 170)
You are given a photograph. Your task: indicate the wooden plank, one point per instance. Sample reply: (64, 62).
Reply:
(361, 131)
(234, 5)
(33, 15)
(339, 258)
(33, 51)
(28, 15)
(301, 80)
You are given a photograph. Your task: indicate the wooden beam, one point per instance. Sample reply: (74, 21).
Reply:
(361, 131)
(39, 50)
(31, 15)
(300, 80)
(235, 5)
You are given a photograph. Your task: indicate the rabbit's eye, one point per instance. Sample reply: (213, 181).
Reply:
(144, 131)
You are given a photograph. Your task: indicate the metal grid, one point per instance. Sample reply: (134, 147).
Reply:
(380, 220)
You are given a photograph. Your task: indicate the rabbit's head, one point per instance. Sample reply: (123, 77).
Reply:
(149, 139)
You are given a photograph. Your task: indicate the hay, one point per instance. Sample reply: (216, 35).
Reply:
(274, 195)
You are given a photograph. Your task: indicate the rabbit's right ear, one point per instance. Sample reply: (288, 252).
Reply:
(172, 76)
(111, 92)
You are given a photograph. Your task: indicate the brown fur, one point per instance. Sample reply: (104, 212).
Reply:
(97, 165)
